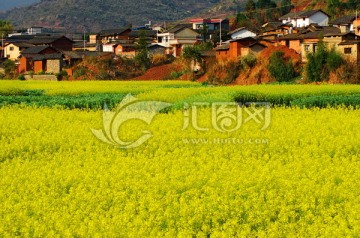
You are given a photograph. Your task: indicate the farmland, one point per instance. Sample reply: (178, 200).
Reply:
(297, 178)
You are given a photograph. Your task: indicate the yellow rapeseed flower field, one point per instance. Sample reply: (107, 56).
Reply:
(297, 178)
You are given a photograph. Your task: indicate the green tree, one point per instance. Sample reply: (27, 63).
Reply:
(250, 8)
(286, 6)
(353, 4)
(5, 27)
(279, 68)
(262, 4)
(322, 62)
(142, 57)
(204, 31)
(192, 54)
(333, 6)
(10, 68)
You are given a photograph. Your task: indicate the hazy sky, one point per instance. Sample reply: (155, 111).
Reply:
(8, 4)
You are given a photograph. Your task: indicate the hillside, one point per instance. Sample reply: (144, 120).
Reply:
(6, 4)
(95, 15)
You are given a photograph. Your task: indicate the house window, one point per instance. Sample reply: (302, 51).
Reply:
(307, 48)
(347, 51)
(11, 48)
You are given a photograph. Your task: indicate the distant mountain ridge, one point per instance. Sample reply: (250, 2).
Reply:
(94, 15)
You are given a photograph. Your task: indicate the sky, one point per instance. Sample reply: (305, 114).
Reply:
(8, 4)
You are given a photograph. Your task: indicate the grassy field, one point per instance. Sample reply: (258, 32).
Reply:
(297, 178)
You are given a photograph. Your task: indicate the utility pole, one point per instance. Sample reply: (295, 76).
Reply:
(295, 14)
(220, 32)
(84, 40)
(2, 45)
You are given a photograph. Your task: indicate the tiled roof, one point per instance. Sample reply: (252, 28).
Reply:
(43, 57)
(37, 40)
(350, 42)
(22, 44)
(237, 30)
(301, 14)
(179, 27)
(223, 47)
(245, 39)
(117, 31)
(308, 33)
(256, 43)
(156, 46)
(35, 49)
(137, 33)
(80, 54)
(344, 20)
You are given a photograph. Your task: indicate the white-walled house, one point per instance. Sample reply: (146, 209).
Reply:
(241, 32)
(305, 18)
(177, 38)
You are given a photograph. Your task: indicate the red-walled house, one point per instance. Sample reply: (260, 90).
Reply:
(40, 58)
(233, 50)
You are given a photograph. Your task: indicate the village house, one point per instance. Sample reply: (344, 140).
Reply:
(237, 48)
(40, 59)
(311, 34)
(305, 18)
(273, 30)
(348, 23)
(346, 43)
(107, 36)
(175, 39)
(125, 49)
(211, 24)
(156, 49)
(150, 35)
(57, 42)
(12, 51)
(79, 46)
(222, 52)
(241, 32)
(34, 30)
(253, 49)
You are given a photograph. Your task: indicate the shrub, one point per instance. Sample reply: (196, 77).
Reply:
(21, 77)
(349, 72)
(248, 61)
(327, 101)
(9, 68)
(80, 71)
(334, 60)
(279, 69)
(175, 74)
(159, 59)
(62, 75)
(31, 73)
(321, 63)
(224, 72)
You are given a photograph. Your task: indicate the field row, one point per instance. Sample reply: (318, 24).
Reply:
(298, 177)
(93, 95)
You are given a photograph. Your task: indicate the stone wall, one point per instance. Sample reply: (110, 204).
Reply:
(53, 66)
